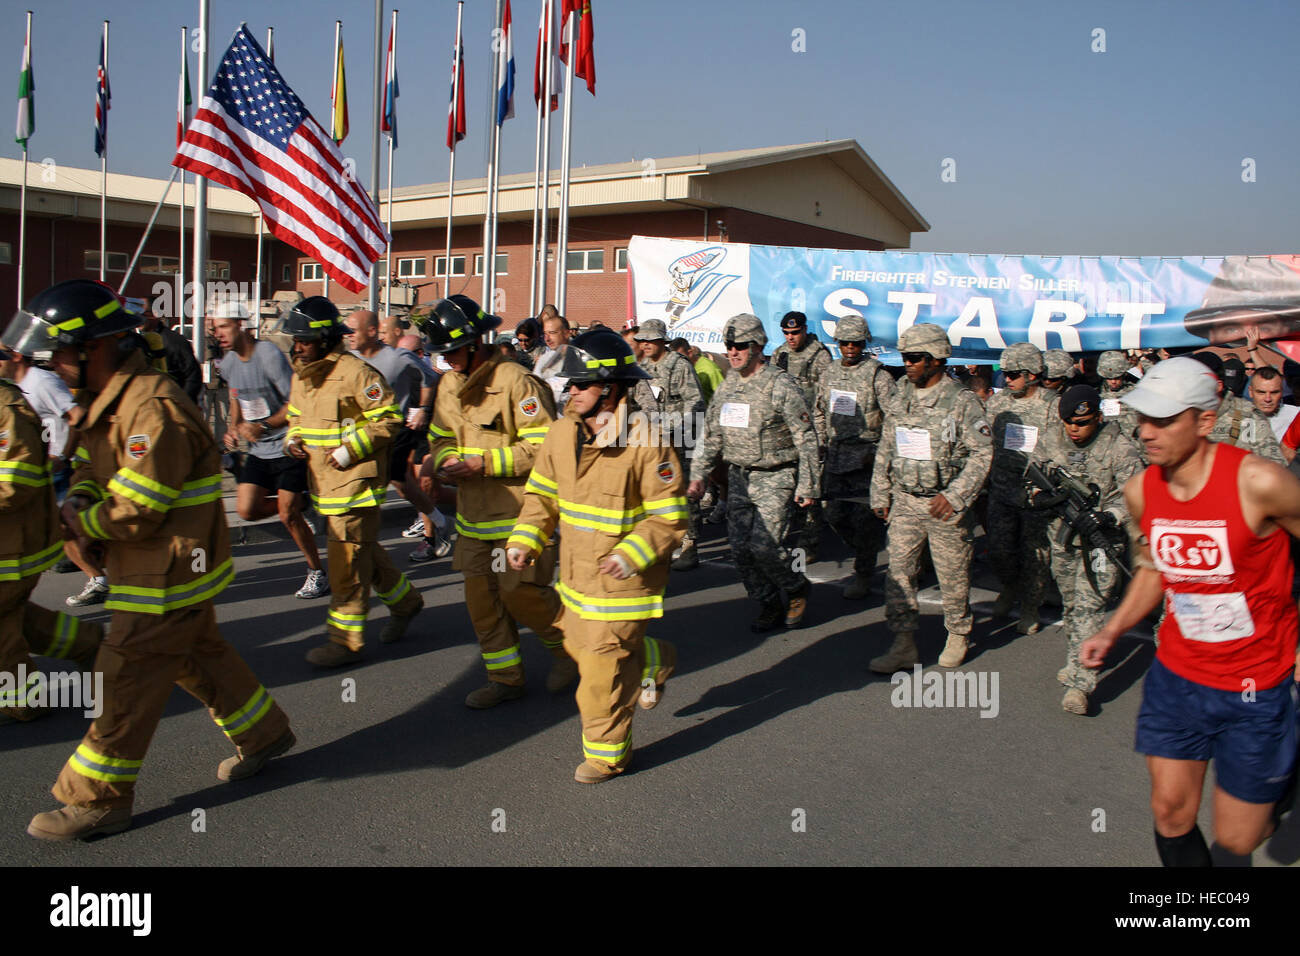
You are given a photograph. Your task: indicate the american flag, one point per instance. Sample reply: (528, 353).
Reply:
(103, 100)
(456, 108)
(253, 134)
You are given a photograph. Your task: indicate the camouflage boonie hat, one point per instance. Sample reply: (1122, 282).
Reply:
(1112, 364)
(926, 337)
(652, 330)
(851, 328)
(1021, 357)
(1058, 363)
(745, 327)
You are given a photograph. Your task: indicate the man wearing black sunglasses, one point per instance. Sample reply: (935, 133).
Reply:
(1021, 415)
(807, 359)
(929, 469)
(759, 424)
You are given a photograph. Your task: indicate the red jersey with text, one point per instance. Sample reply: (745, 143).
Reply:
(1229, 614)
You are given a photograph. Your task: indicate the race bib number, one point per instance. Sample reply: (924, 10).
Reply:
(254, 409)
(913, 443)
(1020, 437)
(843, 403)
(1110, 408)
(735, 415)
(1212, 618)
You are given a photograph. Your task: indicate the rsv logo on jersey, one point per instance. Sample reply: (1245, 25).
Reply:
(1191, 549)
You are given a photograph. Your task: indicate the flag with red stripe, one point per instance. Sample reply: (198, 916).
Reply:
(253, 134)
(456, 108)
(545, 28)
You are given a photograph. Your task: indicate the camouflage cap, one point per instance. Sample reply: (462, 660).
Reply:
(1058, 363)
(926, 337)
(1112, 364)
(1022, 357)
(851, 328)
(744, 327)
(652, 330)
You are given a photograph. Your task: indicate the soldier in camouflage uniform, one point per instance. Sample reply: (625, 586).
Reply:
(807, 359)
(759, 424)
(1097, 453)
(1021, 414)
(1112, 369)
(672, 395)
(849, 415)
(929, 469)
(1058, 369)
(1240, 423)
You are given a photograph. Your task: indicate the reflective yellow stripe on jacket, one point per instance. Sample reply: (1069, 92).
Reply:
(23, 473)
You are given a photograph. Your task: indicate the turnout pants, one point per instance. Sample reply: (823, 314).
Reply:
(357, 562)
(27, 628)
(614, 658)
(910, 526)
(497, 597)
(758, 517)
(142, 656)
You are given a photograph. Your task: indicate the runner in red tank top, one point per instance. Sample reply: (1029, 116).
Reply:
(1214, 549)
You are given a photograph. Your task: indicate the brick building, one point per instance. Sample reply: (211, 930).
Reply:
(827, 195)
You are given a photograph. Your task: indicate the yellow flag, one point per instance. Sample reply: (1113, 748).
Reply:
(339, 99)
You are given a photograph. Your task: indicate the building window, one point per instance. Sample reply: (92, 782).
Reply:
(457, 266)
(217, 269)
(503, 259)
(117, 261)
(286, 274)
(586, 260)
(159, 265)
(312, 272)
(6, 254)
(414, 268)
(620, 260)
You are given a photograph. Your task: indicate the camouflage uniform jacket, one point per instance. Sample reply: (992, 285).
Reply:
(1019, 424)
(807, 365)
(849, 413)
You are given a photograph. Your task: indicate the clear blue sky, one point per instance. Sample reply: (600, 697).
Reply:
(1058, 149)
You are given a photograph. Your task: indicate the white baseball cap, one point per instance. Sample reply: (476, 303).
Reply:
(1173, 386)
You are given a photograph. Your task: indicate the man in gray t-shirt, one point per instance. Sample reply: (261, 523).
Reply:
(270, 482)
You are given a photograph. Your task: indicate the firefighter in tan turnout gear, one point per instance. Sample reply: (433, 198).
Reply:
(489, 419)
(30, 542)
(152, 493)
(342, 417)
(622, 509)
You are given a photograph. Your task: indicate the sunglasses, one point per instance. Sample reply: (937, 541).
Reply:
(915, 358)
(738, 346)
(1081, 422)
(1010, 374)
(843, 344)
(792, 331)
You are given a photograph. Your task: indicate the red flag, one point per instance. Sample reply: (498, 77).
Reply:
(456, 105)
(539, 64)
(584, 58)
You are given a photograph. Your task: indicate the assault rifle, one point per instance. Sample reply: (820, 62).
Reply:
(1076, 503)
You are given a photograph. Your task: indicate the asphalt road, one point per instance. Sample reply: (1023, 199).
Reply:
(778, 750)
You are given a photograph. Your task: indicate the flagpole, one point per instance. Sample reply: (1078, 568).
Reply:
(334, 92)
(455, 124)
(200, 240)
(103, 178)
(22, 214)
(562, 238)
(537, 201)
(493, 142)
(180, 206)
(388, 251)
(546, 156)
(261, 224)
(130, 269)
(372, 296)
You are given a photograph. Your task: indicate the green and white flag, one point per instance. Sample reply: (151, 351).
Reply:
(26, 101)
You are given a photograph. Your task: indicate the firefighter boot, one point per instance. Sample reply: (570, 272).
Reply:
(493, 694)
(396, 627)
(78, 823)
(241, 767)
(562, 673)
(332, 654)
(900, 656)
